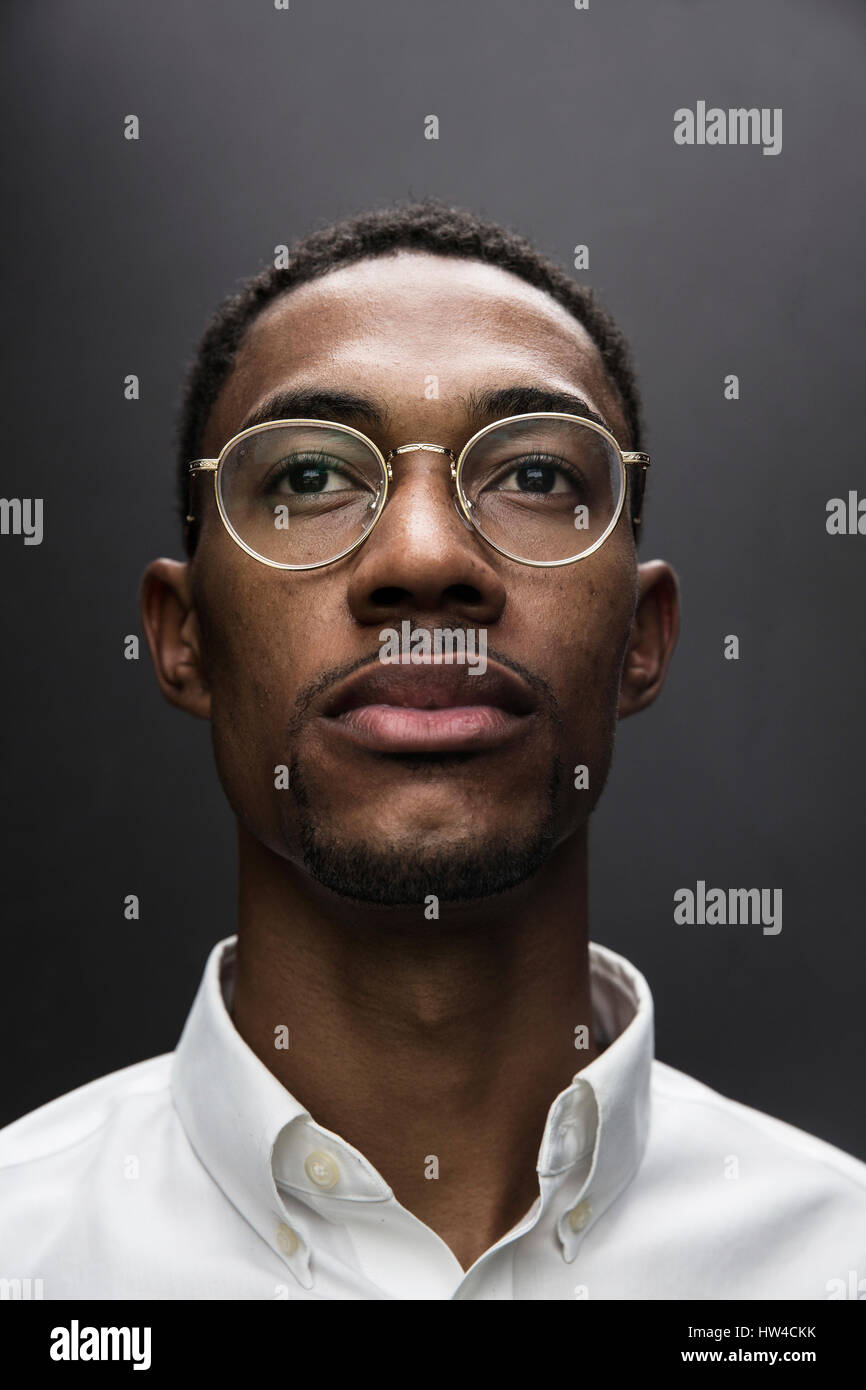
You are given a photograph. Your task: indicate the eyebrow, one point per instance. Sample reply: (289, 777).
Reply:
(495, 404)
(316, 404)
(523, 400)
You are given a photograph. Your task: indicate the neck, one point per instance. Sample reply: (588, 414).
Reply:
(411, 1037)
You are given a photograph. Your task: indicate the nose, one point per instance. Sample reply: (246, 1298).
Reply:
(423, 558)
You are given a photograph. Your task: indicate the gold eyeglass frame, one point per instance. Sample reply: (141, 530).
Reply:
(639, 461)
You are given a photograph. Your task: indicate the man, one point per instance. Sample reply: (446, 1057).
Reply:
(413, 628)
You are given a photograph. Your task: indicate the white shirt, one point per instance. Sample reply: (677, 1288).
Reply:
(197, 1175)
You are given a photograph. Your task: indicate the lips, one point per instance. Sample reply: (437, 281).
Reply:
(432, 707)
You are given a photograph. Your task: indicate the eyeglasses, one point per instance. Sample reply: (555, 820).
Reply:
(543, 489)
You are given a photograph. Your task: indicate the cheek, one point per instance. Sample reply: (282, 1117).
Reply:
(252, 645)
(582, 621)
(246, 642)
(598, 634)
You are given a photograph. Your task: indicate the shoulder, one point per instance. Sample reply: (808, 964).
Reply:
(730, 1203)
(95, 1185)
(702, 1123)
(86, 1115)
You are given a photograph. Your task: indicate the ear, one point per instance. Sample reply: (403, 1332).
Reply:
(654, 632)
(173, 636)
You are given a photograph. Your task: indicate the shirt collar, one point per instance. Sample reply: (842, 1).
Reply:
(608, 1100)
(252, 1134)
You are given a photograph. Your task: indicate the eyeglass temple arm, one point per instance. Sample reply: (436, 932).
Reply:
(200, 466)
(641, 463)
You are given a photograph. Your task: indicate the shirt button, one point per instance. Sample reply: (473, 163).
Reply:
(321, 1168)
(579, 1216)
(286, 1239)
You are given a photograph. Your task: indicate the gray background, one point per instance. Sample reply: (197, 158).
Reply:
(257, 125)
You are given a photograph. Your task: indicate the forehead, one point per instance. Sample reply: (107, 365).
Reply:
(386, 326)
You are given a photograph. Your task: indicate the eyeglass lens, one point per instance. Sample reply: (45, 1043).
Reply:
(300, 494)
(543, 489)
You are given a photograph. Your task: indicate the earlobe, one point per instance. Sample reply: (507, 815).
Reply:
(173, 636)
(654, 633)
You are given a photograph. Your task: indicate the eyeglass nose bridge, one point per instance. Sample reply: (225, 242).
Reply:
(412, 448)
(435, 449)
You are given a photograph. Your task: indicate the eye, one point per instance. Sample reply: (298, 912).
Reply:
(310, 475)
(538, 476)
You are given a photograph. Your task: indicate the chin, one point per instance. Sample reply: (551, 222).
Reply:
(420, 850)
(400, 876)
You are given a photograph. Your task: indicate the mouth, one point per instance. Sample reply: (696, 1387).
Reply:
(432, 707)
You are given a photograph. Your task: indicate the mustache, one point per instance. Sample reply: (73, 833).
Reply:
(333, 675)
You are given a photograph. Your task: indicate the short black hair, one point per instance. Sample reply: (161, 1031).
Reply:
(429, 225)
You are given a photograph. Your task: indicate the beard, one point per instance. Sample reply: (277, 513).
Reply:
(394, 876)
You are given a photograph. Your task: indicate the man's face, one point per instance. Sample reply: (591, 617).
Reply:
(476, 810)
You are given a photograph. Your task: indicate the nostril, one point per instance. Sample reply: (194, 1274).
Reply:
(465, 594)
(389, 597)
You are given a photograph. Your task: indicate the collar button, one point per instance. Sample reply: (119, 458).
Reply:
(287, 1239)
(322, 1168)
(579, 1216)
